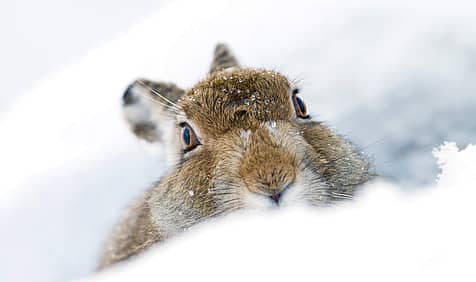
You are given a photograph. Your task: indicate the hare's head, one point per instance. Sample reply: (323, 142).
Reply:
(242, 138)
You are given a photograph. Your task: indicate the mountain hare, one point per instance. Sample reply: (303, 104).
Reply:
(242, 139)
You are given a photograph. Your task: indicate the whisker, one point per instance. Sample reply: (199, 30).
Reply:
(341, 195)
(377, 141)
(225, 193)
(143, 83)
(161, 103)
(297, 81)
(172, 114)
(158, 94)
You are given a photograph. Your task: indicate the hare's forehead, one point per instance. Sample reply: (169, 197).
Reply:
(239, 98)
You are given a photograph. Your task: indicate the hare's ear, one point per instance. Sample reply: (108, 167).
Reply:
(149, 108)
(223, 59)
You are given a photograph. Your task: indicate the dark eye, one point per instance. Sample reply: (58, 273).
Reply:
(189, 139)
(299, 106)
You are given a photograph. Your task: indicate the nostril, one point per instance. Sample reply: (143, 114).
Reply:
(276, 197)
(128, 96)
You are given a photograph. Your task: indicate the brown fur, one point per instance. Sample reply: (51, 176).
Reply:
(242, 98)
(252, 146)
(263, 159)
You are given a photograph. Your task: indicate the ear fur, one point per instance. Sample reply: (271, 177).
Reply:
(223, 58)
(147, 105)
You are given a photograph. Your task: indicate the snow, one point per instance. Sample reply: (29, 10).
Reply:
(387, 235)
(396, 77)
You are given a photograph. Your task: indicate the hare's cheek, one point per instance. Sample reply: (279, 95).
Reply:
(307, 189)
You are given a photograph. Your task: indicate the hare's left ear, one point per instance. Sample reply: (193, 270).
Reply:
(223, 59)
(149, 108)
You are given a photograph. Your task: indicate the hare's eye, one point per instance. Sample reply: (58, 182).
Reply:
(299, 106)
(189, 139)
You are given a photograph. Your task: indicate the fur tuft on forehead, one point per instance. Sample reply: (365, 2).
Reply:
(238, 98)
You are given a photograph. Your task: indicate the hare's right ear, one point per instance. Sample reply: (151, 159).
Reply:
(149, 108)
(223, 59)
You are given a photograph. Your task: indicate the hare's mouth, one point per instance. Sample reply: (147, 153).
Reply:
(265, 201)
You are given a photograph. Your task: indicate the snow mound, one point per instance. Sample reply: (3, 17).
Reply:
(387, 235)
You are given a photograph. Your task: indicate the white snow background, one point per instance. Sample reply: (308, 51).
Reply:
(396, 77)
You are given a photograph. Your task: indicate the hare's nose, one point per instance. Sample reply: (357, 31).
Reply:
(276, 197)
(275, 194)
(270, 180)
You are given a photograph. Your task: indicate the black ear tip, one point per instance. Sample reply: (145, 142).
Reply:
(128, 96)
(223, 58)
(221, 48)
